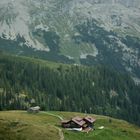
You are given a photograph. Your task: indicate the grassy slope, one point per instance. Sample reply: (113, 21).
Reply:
(50, 64)
(19, 125)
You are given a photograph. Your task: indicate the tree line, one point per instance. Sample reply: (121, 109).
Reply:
(98, 89)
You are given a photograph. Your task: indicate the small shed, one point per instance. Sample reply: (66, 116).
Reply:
(35, 109)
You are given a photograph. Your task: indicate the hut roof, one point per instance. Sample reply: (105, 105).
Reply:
(65, 121)
(35, 108)
(78, 121)
(89, 119)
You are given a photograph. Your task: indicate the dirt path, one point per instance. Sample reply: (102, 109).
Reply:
(54, 115)
(61, 135)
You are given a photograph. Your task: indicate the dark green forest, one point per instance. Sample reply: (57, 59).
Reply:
(26, 82)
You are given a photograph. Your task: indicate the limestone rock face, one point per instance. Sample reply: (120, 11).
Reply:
(84, 31)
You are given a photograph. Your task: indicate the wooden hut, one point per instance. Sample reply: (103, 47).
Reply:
(86, 123)
(34, 109)
(89, 121)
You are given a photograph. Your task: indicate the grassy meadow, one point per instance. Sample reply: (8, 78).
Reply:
(19, 125)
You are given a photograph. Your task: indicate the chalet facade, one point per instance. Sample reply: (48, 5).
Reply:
(86, 123)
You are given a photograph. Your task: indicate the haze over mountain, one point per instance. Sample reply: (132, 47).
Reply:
(75, 31)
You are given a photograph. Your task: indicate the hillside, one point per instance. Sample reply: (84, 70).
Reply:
(19, 125)
(87, 32)
(27, 82)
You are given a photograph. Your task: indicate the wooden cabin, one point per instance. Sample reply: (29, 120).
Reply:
(33, 109)
(86, 123)
(77, 122)
(66, 123)
(89, 121)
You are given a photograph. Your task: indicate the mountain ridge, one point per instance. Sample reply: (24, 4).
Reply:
(51, 28)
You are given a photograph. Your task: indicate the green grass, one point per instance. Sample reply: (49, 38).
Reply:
(19, 125)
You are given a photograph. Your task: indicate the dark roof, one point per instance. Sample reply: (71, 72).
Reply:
(78, 121)
(89, 119)
(65, 121)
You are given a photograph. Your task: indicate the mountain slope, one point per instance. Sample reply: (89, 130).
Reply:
(19, 125)
(26, 82)
(58, 31)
